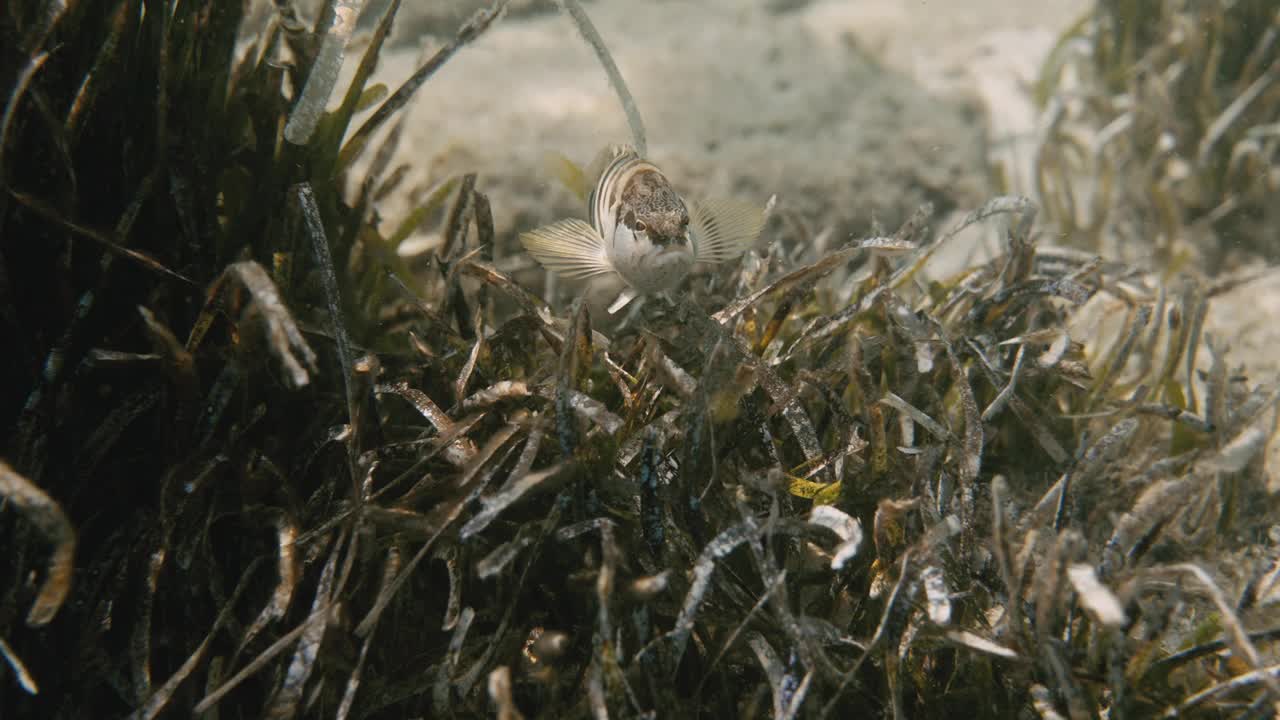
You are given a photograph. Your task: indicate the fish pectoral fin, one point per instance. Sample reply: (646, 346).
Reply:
(624, 298)
(723, 229)
(568, 173)
(569, 247)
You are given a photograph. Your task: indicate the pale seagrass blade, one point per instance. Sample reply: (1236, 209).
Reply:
(624, 298)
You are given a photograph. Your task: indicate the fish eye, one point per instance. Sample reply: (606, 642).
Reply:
(640, 226)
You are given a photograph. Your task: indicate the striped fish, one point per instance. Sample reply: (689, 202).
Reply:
(639, 227)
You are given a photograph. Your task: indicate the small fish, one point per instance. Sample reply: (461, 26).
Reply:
(639, 227)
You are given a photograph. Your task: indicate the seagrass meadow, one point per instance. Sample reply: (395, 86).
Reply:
(256, 462)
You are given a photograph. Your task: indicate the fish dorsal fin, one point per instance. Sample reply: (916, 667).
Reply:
(569, 247)
(723, 229)
(601, 161)
(579, 180)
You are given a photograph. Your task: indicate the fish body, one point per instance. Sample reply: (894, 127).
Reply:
(639, 228)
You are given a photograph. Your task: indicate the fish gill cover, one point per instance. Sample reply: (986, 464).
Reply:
(257, 463)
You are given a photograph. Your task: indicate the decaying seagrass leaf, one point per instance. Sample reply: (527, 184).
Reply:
(524, 463)
(888, 246)
(109, 241)
(43, 22)
(20, 86)
(532, 305)
(1094, 460)
(324, 72)
(108, 434)
(971, 449)
(1265, 590)
(515, 488)
(1049, 581)
(887, 529)
(359, 392)
(1239, 451)
(1206, 649)
(1134, 325)
(720, 546)
(714, 335)
(587, 408)
(472, 29)
(1039, 430)
(578, 529)
(353, 682)
(165, 342)
(1239, 682)
(804, 276)
(288, 695)
(160, 698)
(495, 393)
(1010, 204)
(459, 451)
(464, 490)
(283, 335)
(1096, 597)
(651, 511)
(939, 598)
(442, 690)
(848, 529)
(25, 680)
(1012, 579)
(140, 647)
(499, 687)
(933, 426)
(788, 691)
(449, 556)
(893, 620)
(288, 572)
(46, 514)
(500, 557)
(981, 644)
(464, 375)
(1006, 393)
(1043, 703)
(774, 585)
(1235, 636)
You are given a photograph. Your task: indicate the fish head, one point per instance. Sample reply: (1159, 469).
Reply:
(666, 229)
(652, 251)
(649, 229)
(652, 209)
